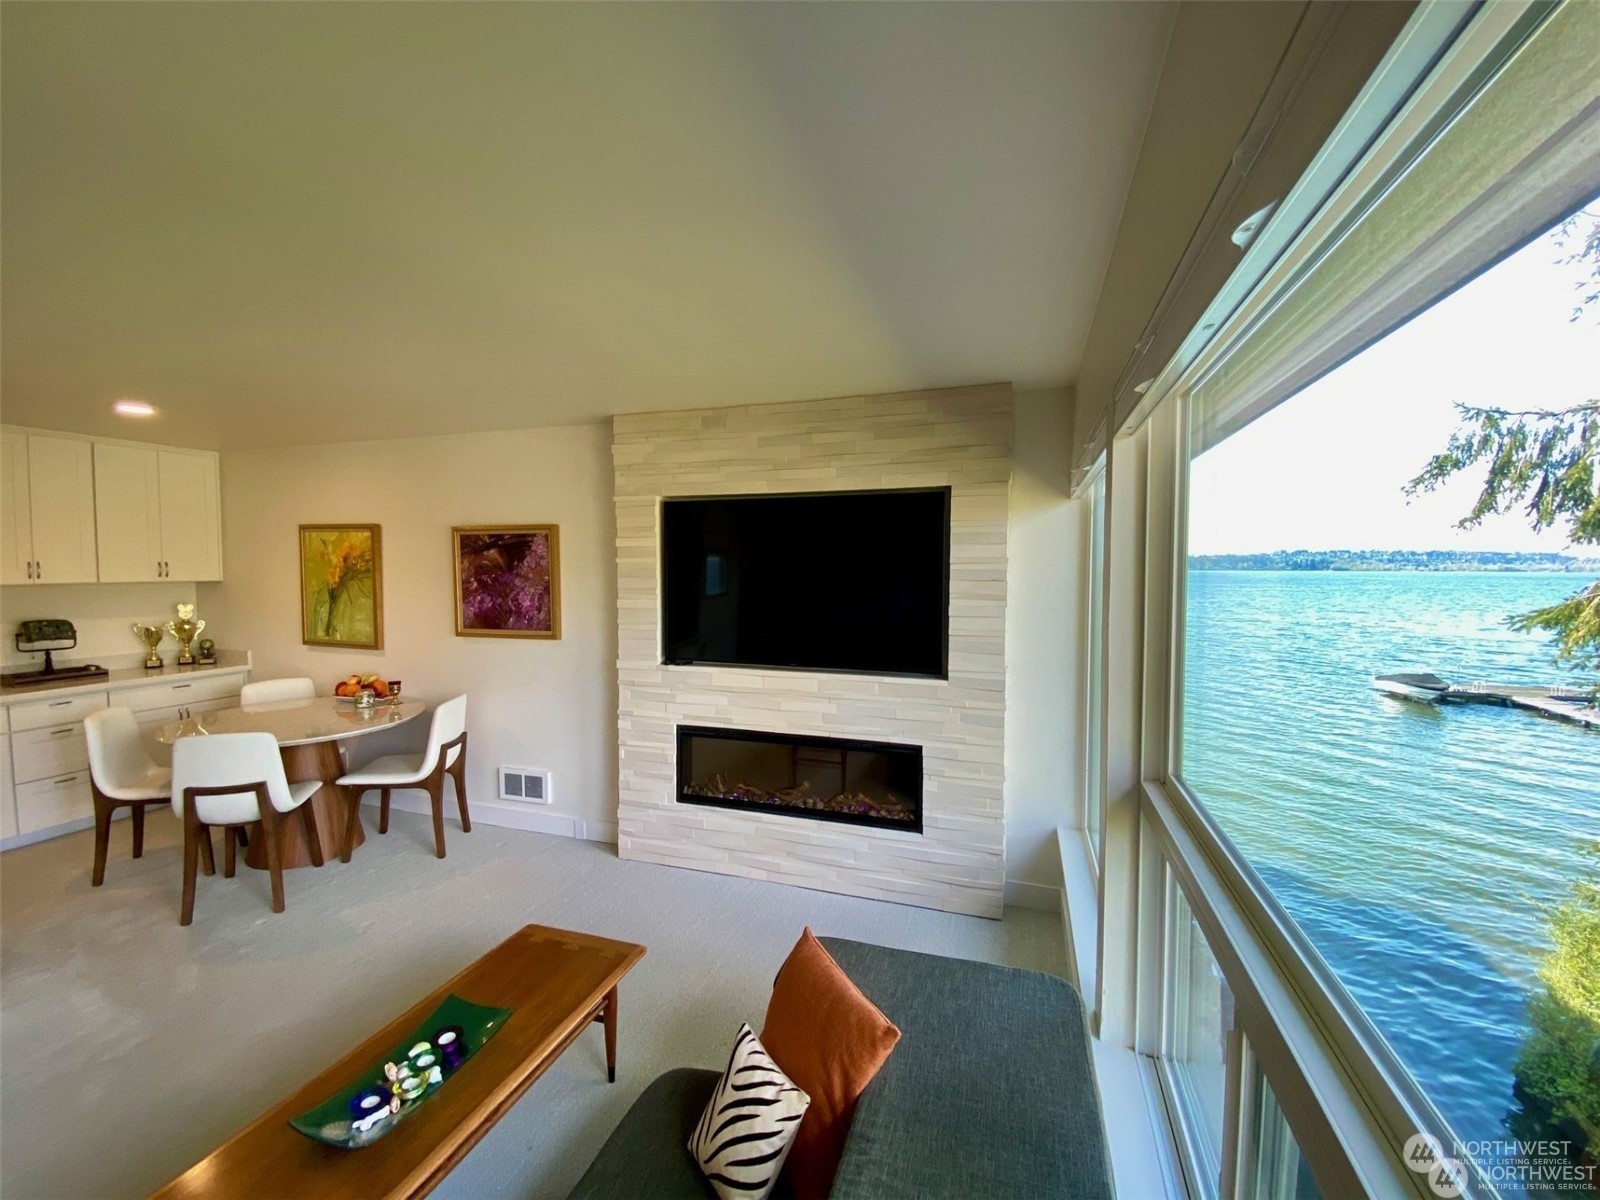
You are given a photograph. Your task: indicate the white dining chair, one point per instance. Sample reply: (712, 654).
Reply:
(234, 780)
(121, 772)
(446, 754)
(270, 691)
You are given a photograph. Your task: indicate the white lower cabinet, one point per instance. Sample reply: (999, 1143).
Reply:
(189, 692)
(50, 761)
(8, 798)
(41, 753)
(152, 719)
(42, 714)
(44, 758)
(46, 802)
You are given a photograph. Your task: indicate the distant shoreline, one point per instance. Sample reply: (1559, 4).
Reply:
(1397, 560)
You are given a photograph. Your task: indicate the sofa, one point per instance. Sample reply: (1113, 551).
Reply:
(989, 1093)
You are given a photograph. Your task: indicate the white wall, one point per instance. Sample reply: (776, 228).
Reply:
(1044, 652)
(534, 703)
(102, 613)
(553, 704)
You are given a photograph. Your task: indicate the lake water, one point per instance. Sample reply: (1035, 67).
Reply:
(1414, 845)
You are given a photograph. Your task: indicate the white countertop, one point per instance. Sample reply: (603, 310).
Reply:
(123, 677)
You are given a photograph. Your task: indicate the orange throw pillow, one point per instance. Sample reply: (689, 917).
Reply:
(830, 1040)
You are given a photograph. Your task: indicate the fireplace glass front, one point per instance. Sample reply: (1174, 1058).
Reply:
(827, 779)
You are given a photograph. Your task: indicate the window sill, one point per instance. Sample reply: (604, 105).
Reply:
(1138, 1136)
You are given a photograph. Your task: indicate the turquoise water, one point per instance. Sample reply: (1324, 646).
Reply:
(1414, 845)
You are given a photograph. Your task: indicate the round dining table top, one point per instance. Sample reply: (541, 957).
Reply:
(297, 722)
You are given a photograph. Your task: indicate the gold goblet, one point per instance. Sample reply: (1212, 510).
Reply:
(186, 628)
(151, 636)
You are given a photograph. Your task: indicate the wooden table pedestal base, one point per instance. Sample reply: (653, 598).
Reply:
(330, 807)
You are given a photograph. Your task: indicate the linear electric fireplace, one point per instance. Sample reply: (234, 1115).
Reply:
(827, 779)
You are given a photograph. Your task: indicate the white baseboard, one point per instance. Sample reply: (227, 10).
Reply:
(1039, 896)
(55, 831)
(509, 815)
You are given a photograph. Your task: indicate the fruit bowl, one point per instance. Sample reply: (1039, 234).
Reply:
(351, 687)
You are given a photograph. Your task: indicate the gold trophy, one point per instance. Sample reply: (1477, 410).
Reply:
(151, 636)
(186, 628)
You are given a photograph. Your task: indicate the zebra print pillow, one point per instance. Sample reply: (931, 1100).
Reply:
(746, 1131)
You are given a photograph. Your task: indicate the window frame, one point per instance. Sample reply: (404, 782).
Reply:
(1091, 815)
(1346, 1100)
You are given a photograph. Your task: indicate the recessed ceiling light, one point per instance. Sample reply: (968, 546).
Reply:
(133, 408)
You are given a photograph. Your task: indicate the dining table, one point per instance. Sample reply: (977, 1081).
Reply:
(310, 735)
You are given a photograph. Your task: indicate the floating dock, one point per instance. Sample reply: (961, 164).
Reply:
(1561, 703)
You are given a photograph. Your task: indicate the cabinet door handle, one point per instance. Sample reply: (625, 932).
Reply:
(59, 703)
(62, 732)
(30, 568)
(67, 779)
(179, 687)
(38, 570)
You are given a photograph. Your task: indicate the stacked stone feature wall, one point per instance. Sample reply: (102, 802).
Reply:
(960, 438)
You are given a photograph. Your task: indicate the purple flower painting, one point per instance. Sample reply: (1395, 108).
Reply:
(508, 581)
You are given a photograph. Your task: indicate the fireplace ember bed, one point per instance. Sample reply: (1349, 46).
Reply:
(878, 784)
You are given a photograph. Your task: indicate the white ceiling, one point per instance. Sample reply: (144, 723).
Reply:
(290, 223)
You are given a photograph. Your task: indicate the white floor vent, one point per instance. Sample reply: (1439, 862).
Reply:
(525, 784)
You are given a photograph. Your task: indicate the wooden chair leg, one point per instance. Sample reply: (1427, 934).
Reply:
(103, 808)
(352, 822)
(435, 788)
(383, 810)
(313, 839)
(208, 860)
(458, 772)
(191, 858)
(138, 830)
(269, 831)
(230, 848)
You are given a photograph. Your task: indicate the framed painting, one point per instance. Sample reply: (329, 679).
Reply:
(508, 581)
(341, 586)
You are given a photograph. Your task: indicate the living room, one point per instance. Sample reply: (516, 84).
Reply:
(816, 359)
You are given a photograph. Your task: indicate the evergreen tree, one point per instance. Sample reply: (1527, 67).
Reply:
(1545, 462)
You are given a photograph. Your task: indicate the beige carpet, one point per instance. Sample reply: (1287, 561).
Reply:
(129, 1047)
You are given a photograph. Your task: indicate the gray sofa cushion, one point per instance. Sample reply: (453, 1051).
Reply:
(647, 1154)
(990, 1092)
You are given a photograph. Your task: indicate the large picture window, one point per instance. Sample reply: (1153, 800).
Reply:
(1414, 777)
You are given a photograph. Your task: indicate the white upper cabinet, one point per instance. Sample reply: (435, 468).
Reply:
(191, 515)
(159, 513)
(16, 514)
(47, 498)
(127, 505)
(78, 510)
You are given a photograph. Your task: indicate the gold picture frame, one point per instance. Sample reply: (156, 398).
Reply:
(507, 580)
(341, 586)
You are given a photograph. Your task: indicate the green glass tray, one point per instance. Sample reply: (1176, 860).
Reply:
(405, 1078)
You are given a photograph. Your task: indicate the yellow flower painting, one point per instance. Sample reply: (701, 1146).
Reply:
(341, 586)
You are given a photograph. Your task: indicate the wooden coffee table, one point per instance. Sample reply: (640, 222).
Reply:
(558, 983)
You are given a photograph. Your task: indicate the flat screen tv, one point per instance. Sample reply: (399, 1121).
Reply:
(827, 581)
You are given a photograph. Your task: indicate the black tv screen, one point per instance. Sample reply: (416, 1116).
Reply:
(831, 581)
